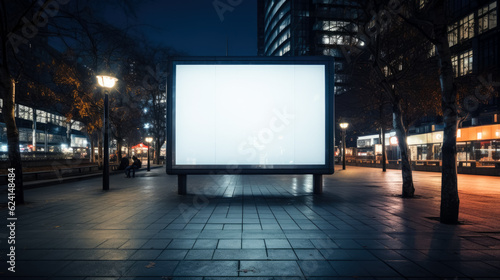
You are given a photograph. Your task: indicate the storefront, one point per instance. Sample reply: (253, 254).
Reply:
(426, 146)
(479, 143)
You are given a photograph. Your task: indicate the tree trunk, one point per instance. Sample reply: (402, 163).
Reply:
(118, 150)
(449, 190)
(384, 157)
(398, 124)
(92, 149)
(8, 94)
(128, 148)
(157, 151)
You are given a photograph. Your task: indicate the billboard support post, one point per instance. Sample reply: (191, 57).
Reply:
(182, 184)
(317, 183)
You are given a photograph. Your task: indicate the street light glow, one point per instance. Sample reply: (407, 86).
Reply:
(106, 81)
(149, 139)
(393, 140)
(344, 125)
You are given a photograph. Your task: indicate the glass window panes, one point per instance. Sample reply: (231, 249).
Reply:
(453, 34)
(486, 150)
(467, 27)
(487, 17)
(41, 116)
(454, 62)
(466, 63)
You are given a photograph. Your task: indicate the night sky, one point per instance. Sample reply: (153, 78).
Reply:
(195, 28)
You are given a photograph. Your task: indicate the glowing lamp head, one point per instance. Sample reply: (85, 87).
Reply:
(344, 125)
(393, 140)
(149, 139)
(106, 81)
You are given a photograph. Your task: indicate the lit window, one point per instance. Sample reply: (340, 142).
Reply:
(421, 3)
(334, 25)
(487, 17)
(326, 39)
(466, 63)
(41, 116)
(453, 34)
(467, 27)
(432, 51)
(386, 70)
(454, 63)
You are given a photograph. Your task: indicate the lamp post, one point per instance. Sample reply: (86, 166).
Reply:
(149, 139)
(343, 126)
(106, 82)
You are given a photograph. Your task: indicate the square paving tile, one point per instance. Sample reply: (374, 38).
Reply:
(229, 244)
(281, 254)
(277, 244)
(240, 254)
(96, 268)
(301, 244)
(145, 255)
(253, 244)
(363, 268)
(309, 254)
(207, 268)
(269, 268)
(317, 268)
(156, 244)
(172, 254)
(149, 269)
(206, 244)
(196, 254)
(181, 244)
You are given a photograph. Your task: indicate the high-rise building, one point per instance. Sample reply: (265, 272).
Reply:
(308, 27)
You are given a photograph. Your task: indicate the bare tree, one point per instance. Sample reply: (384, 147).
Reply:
(432, 21)
(398, 59)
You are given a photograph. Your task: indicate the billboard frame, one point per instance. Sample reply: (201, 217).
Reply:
(328, 168)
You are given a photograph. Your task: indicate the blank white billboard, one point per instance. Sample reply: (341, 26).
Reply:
(241, 114)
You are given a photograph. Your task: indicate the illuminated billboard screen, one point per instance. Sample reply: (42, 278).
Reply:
(250, 115)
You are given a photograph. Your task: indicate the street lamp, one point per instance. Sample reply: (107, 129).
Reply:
(344, 127)
(106, 82)
(149, 139)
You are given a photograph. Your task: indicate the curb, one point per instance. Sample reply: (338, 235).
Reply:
(51, 182)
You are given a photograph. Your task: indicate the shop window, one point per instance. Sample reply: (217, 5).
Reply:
(487, 150)
(464, 151)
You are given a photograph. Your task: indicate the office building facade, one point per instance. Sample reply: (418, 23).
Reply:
(308, 28)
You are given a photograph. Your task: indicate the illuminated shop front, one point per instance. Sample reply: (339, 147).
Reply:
(481, 143)
(426, 146)
(478, 143)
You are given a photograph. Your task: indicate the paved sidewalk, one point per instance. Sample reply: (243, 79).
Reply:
(255, 227)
